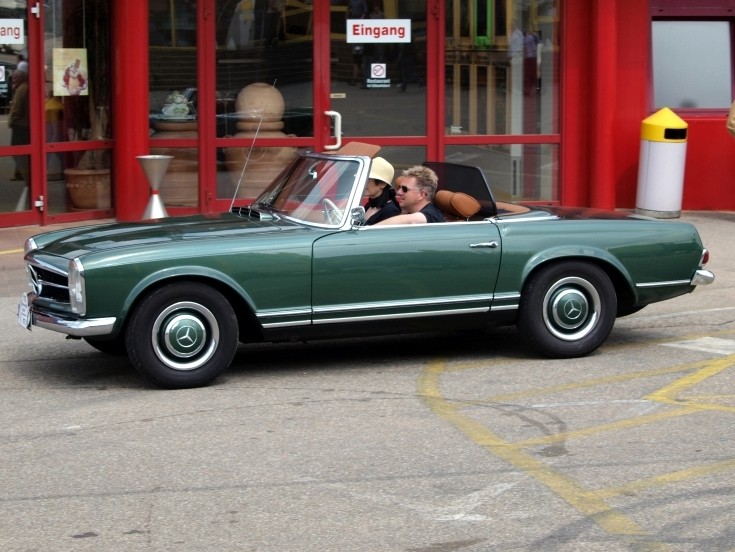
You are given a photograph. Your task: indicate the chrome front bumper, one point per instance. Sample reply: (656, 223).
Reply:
(76, 328)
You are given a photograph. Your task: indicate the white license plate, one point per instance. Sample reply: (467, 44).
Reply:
(24, 312)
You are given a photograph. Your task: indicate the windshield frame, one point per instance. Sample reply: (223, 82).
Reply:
(299, 192)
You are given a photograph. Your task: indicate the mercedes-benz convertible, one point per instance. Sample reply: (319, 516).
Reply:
(179, 295)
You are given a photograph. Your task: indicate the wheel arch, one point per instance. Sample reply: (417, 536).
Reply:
(240, 301)
(619, 276)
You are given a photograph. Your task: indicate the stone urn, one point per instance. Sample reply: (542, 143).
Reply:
(259, 109)
(180, 186)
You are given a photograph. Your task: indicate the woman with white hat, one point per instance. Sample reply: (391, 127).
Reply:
(379, 193)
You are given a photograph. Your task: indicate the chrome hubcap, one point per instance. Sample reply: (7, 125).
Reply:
(571, 308)
(185, 335)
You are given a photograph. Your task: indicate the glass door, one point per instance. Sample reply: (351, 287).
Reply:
(54, 101)
(378, 75)
(264, 107)
(16, 116)
(297, 76)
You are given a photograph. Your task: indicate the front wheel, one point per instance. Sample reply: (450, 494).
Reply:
(182, 335)
(567, 309)
(114, 346)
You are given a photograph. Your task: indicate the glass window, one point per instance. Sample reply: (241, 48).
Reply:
(501, 67)
(77, 105)
(264, 89)
(173, 97)
(515, 172)
(692, 64)
(379, 82)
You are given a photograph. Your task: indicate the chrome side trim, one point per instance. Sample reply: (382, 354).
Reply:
(270, 325)
(663, 284)
(296, 317)
(506, 301)
(702, 277)
(485, 299)
(279, 314)
(77, 328)
(398, 316)
(321, 315)
(504, 307)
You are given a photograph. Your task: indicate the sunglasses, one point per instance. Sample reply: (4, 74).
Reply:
(405, 189)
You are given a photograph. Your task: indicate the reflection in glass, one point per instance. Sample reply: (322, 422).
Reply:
(180, 186)
(172, 23)
(379, 88)
(516, 172)
(264, 89)
(692, 64)
(403, 157)
(77, 104)
(502, 77)
(18, 116)
(14, 183)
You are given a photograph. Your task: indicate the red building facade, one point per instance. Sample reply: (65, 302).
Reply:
(546, 96)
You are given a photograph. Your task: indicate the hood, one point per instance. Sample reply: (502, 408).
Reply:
(74, 242)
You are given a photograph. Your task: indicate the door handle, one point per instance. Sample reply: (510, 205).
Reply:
(491, 245)
(337, 130)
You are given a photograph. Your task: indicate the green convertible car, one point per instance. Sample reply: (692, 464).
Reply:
(179, 295)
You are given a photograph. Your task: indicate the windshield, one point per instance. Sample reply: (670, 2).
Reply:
(315, 189)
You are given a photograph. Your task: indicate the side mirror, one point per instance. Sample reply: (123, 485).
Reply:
(357, 216)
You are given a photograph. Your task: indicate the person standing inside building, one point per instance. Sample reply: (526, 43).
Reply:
(18, 118)
(357, 9)
(531, 42)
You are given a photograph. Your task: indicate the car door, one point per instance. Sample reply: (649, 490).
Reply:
(387, 272)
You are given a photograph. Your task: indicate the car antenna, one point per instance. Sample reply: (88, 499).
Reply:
(250, 151)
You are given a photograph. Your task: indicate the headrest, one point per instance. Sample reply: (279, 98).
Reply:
(456, 203)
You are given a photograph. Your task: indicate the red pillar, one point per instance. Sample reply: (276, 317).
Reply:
(129, 106)
(604, 104)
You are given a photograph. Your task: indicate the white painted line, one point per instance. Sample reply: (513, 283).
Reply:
(706, 344)
(682, 313)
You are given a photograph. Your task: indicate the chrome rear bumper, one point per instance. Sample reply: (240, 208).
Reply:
(702, 277)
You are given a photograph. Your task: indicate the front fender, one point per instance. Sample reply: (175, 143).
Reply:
(194, 272)
(114, 295)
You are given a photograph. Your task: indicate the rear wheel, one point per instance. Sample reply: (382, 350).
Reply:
(567, 309)
(182, 335)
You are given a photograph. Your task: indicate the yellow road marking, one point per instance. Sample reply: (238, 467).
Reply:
(10, 251)
(592, 504)
(617, 378)
(667, 478)
(587, 503)
(670, 393)
(612, 426)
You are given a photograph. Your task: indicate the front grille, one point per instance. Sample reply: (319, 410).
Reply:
(49, 284)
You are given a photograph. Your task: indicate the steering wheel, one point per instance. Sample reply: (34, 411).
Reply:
(332, 213)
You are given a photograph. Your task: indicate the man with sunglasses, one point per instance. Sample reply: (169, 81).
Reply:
(414, 195)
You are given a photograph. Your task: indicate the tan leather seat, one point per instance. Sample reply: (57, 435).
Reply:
(456, 206)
